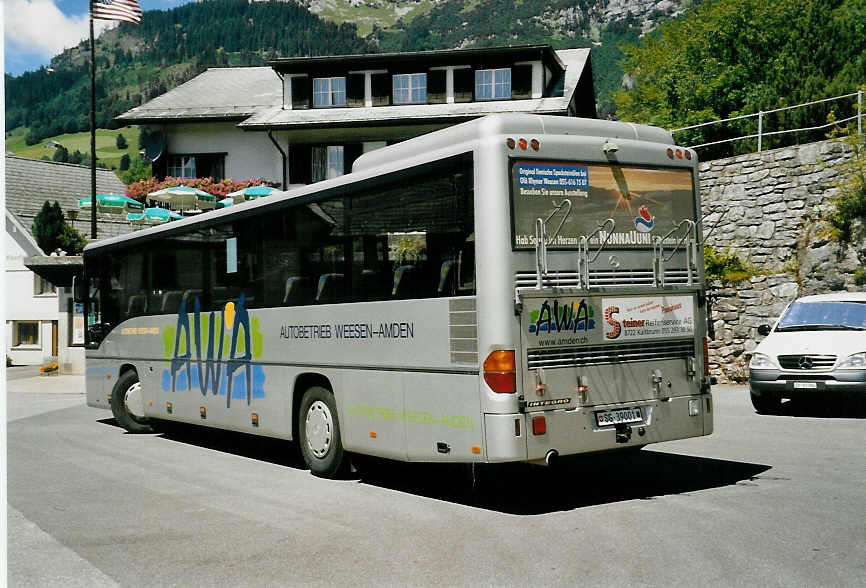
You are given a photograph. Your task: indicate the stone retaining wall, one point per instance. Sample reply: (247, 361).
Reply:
(772, 204)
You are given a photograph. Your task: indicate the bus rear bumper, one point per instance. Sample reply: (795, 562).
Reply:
(574, 431)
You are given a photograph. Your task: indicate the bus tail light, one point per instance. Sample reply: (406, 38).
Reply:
(706, 357)
(500, 372)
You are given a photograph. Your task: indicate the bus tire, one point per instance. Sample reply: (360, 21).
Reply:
(319, 433)
(128, 405)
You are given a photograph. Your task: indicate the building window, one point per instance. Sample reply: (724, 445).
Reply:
(493, 84)
(41, 286)
(328, 162)
(26, 333)
(329, 92)
(197, 166)
(410, 88)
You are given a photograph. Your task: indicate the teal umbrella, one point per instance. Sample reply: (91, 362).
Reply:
(225, 203)
(251, 193)
(183, 198)
(112, 203)
(153, 216)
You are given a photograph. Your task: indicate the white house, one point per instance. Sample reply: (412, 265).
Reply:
(32, 327)
(41, 321)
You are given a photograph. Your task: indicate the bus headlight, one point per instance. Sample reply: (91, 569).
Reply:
(853, 362)
(761, 361)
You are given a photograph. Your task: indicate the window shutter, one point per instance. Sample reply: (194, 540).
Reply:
(464, 84)
(521, 81)
(436, 87)
(381, 84)
(355, 90)
(300, 93)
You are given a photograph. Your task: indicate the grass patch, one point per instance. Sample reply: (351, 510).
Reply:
(106, 144)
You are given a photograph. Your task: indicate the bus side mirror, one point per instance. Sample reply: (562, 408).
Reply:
(78, 291)
(764, 330)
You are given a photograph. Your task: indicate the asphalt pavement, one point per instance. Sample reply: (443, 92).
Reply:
(764, 501)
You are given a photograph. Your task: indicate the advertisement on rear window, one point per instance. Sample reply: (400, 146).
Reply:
(644, 202)
(650, 317)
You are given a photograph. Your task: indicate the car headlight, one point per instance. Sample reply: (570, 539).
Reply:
(761, 361)
(854, 362)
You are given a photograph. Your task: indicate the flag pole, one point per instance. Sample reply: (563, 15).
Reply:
(92, 132)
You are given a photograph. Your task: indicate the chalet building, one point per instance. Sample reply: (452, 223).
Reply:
(305, 119)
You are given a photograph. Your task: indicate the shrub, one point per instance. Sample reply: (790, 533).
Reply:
(726, 266)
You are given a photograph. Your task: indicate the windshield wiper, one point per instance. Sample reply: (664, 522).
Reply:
(820, 327)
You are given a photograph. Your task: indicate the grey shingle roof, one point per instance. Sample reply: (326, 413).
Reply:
(30, 182)
(218, 93)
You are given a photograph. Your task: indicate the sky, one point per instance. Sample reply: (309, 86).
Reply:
(34, 31)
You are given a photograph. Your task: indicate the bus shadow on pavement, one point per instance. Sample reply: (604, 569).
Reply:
(520, 489)
(577, 482)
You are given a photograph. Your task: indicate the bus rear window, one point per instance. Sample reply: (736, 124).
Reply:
(644, 202)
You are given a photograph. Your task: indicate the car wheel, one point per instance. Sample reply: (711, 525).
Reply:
(319, 433)
(767, 402)
(127, 404)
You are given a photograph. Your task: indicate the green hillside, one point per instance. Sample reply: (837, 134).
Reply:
(106, 145)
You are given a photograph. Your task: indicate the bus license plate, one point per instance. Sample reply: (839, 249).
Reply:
(618, 417)
(806, 385)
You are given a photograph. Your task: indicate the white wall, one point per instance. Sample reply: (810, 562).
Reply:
(23, 305)
(248, 154)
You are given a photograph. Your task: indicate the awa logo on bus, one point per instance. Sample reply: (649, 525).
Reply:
(229, 332)
(571, 316)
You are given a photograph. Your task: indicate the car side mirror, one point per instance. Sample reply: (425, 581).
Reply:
(764, 330)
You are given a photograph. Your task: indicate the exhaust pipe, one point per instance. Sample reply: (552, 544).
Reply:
(552, 457)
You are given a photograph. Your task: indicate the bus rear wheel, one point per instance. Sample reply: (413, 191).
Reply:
(319, 433)
(127, 404)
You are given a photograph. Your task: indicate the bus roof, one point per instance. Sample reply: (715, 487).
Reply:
(433, 146)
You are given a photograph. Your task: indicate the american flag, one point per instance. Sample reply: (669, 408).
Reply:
(125, 10)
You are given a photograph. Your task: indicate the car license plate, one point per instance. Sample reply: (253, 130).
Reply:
(617, 417)
(806, 385)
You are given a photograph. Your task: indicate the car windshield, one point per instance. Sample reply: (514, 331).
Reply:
(823, 316)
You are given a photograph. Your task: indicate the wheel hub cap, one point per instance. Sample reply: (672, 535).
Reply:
(133, 400)
(319, 425)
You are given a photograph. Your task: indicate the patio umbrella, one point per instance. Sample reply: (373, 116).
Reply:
(225, 202)
(183, 198)
(112, 203)
(251, 193)
(152, 216)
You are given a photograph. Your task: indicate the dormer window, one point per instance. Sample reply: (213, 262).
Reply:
(410, 88)
(328, 92)
(493, 84)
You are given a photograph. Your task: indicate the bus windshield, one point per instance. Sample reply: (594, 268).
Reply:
(644, 202)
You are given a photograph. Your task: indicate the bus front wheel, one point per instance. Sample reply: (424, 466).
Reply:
(319, 433)
(128, 405)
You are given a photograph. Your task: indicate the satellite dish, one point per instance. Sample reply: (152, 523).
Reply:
(153, 143)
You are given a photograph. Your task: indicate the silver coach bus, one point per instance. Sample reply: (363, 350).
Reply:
(514, 288)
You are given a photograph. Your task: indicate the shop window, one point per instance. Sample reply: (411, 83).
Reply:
(25, 333)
